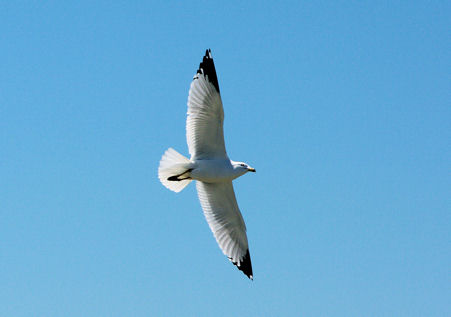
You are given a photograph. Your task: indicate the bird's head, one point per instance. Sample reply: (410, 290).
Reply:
(242, 167)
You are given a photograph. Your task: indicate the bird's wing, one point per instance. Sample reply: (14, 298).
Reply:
(204, 125)
(224, 218)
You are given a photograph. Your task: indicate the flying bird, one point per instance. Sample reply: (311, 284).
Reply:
(210, 166)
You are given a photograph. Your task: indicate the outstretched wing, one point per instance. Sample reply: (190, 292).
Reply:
(204, 125)
(225, 220)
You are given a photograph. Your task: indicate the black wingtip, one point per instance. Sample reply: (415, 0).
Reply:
(207, 67)
(245, 265)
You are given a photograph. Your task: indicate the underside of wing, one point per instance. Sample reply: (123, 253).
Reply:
(204, 125)
(226, 222)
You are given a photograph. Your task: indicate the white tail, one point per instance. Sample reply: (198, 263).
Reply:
(174, 164)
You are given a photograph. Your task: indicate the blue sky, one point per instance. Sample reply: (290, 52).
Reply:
(343, 107)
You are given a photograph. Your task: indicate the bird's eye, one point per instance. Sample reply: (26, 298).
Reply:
(242, 165)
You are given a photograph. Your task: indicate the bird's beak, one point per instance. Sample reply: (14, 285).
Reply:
(250, 169)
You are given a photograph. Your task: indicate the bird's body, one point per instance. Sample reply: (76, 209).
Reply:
(214, 171)
(210, 166)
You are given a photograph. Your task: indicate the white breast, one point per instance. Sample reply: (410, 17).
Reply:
(213, 171)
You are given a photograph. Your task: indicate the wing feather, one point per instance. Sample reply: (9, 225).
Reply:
(204, 124)
(226, 222)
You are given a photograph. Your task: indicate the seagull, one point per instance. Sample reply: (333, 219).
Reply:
(210, 166)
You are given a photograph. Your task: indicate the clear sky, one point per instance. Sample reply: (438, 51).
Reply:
(343, 107)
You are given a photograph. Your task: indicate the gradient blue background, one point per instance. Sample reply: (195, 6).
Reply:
(343, 107)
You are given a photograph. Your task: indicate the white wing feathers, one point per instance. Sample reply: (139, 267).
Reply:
(224, 218)
(204, 125)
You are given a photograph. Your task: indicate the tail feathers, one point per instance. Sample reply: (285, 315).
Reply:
(173, 170)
